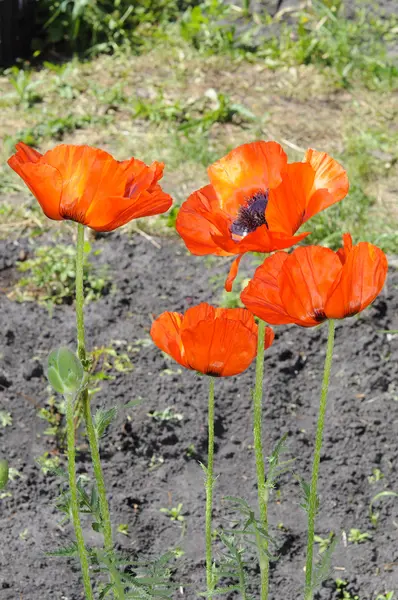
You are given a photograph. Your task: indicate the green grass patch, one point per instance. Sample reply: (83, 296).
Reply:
(51, 274)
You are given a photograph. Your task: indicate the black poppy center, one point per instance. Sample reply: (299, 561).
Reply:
(251, 215)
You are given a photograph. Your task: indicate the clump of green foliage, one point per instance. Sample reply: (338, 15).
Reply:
(352, 47)
(103, 25)
(51, 276)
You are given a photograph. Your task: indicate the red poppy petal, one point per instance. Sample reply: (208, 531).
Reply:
(165, 332)
(26, 154)
(262, 294)
(287, 203)
(108, 214)
(198, 313)
(361, 280)
(268, 337)
(233, 271)
(306, 279)
(44, 182)
(342, 253)
(263, 240)
(245, 171)
(88, 174)
(196, 222)
(237, 314)
(220, 347)
(330, 183)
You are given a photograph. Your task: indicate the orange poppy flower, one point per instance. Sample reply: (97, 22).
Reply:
(89, 186)
(256, 201)
(214, 341)
(313, 283)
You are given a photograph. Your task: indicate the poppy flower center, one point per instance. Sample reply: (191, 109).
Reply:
(251, 215)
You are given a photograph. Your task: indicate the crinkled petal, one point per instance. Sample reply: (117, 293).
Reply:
(287, 203)
(330, 183)
(262, 294)
(45, 183)
(233, 271)
(200, 218)
(360, 282)
(219, 347)
(246, 170)
(165, 332)
(306, 279)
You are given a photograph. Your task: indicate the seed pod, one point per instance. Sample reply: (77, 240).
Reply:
(65, 371)
(3, 473)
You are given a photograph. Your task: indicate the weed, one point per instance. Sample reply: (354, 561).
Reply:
(54, 414)
(51, 277)
(385, 596)
(103, 26)
(54, 128)
(376, 476)
(17, 218)
(25, 87)
(174, 513)
(155, 462)
(5, 418)
(14, 474)
(324, 543)
(123, 528)
(168, 414)
(351, 49)
(190, 452)
(374, 515)
(61, 79)
(355, 536)
(48, 462)
(343, 592)
(353, 214)
(108, 358)
(200, 26)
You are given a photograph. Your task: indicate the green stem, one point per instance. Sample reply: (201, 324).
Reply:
(91, 434)
(260, 466)
(313, 500)
(209, 489)
(70, 425)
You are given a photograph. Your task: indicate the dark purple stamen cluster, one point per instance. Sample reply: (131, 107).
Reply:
(251, 215)
(319, 315)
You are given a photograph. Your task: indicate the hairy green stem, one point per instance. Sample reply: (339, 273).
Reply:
(260, 466)
(313, 500)
(209, 489)
(70, 426)
(91, 434)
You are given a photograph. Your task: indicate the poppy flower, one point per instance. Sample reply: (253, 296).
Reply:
(89, 186)
(214, 341)
(256, 201)
(313, 283)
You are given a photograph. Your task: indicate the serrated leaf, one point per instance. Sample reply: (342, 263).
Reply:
(102, 420)
(133, 403)
(108, 588)
(306, 494)
(323, 567)
(71, 550)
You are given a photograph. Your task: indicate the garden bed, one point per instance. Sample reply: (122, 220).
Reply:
(153, 463)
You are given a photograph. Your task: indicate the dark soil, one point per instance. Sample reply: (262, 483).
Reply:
(361, 431)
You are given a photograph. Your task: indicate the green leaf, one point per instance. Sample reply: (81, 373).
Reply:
(323, 568)
(71, 550)
(4, 472)
(102, 420)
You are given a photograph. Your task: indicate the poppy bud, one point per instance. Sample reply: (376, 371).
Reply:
(65, 371)
(3, 473)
